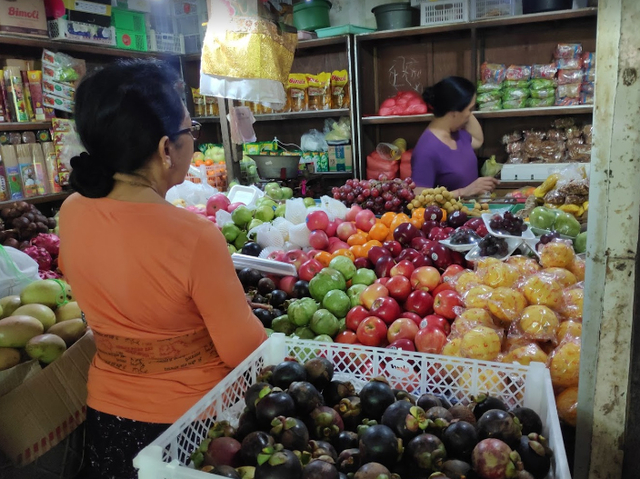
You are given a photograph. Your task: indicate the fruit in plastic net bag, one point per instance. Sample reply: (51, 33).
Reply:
(506, 305)
(563, 276)
(269, 251)
(564, 364)
(482, 342)
(539, 323)
(283, 226)
(572, 303)
(567, 404)
(543, 289)
(477, 296)
(499, 274)
(295, 211)
(569, 329)
(333, 207)
(469, 319)
(299, 235)
(268, 235)
(526, 266)
(465, 281)
(525, 354)
(223, 217)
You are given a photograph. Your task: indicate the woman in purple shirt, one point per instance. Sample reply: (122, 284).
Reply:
(444, 154)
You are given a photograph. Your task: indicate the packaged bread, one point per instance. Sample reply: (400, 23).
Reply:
(319, 92)
(512, 137)
(568, 50)
(340, 89)
(544, 71)
(587, 133)
(517, 72)
(566, 77)
(297, 92)
(514, 147)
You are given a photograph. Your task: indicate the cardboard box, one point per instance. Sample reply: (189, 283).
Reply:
(96, 7)
(340, 158)
(57, 103)
(43, 407)
(26, 17)
(58, 89)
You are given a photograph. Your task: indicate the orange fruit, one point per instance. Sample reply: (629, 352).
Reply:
(358, 251)
(343, 252)
(199, 162)
(444, 214)
(324, 257)
(357, 239)
(370, 244)
(416, 222)
(208, 162)
(378, 232)
(418, 214)
(399, 219)
(387, 218)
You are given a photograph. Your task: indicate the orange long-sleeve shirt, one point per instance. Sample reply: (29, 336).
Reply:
(153, 271)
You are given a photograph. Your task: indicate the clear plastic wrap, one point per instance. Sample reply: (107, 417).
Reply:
(567, 101)
(525, 352)
(517, 159)
(492, 72)
(517, 73)
(541, 102)
(573, 132)
(588, 86)
(586, 98)
(526, 266)
(557, 254)
(564, 122)
(568, 50)
(489, 96)
(537, 134)
(587, 133)
(572, 302)
(487, 87)
(466, 280)
(477, 296)
(516, 84)
(590, 74)
(499, 275)
(543, 93)
(506, 305)
(515, 147)
(571, 142)
(544, 71)
(482, 343)
(542, 289)
(588, 60)
(469, 319)
(569, 329)
(566, 77)
(509, 94)
(577, 267)
(567, 404)
(491, 106)
(556, 134)
(512, 137)
(580, 153)
(514, 103)
(569, 63)
(538, 323)
(554, 197)
(564, 364)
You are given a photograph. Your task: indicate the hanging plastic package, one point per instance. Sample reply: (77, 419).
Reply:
(248, 51)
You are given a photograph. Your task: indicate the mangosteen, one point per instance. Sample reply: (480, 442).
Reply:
(247, 423)
(259, 299)
(456, 469)
(251, 249)
(375, 397)
(484, 403)
(326, 423)
(405, 420)
(252, 446)
(221, 429)
(265, 316)
(281, 464)
(287, 372)
(350, 410)
(265, 374)
(249, 277)
(462, 413)
(379, 444)
(529, 420)
(276, 313)
(493, 458)
(336, 391)
(273, 405)
(300, 289)
(459, 439)
(349, 460)
(291, 432)
(255, 393)
(499, 424)
(320, 470)
(277, 298)
(446, 402)
(223, 451)
(319, 372)
(372, 470)
(226, 471)
(305, 396)
(427, 401)
(535, 455)
(346, 440)
(266, 286)
(402, 395)
(323, 450)
(426, 451)
(439, 419)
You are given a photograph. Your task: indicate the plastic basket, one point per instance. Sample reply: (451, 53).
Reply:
(443, 11)
(128, 20)
(492, 8)
(165, 42)
(167, 456)
(131, 40)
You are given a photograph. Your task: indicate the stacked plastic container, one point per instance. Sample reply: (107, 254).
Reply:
(185, 20)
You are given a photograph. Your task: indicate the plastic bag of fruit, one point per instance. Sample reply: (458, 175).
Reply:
(537, 323)
(564, 363)
(567, 404)
(17, 270)
(520, 349)
(506, 304)
(572, 302)
(542, 289)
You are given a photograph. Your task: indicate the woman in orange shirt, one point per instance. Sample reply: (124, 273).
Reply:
(155, 282)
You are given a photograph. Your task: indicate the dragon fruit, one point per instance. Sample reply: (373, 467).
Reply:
(49, 242)
(41, 255)
(49, 275)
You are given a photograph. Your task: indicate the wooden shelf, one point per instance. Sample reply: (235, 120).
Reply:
(41, 199)
(299, 115)
(34, 125)
(206, 119)
(517, 113)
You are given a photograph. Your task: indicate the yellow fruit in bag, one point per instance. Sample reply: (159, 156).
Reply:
(546, 186)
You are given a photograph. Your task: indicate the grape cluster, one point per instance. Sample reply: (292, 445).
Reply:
(492, 246)
(508, 223)
(20, 222)
(547, 238)
(379, 195)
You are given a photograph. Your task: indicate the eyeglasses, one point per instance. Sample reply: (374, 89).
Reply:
(193, 130)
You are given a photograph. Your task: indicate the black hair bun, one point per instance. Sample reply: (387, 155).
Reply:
(90, 177)
(428, 95)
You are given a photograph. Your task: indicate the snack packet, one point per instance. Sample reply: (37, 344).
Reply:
(568, 50)
(542, 83)
(544, 93)
(518, 72)
(297, 92)
(569, 63)
(339, 89)
(514, 103)
(544, 71)
(510, 94)
(489, 96)
(516, 83)
(571, 90)
(566, 77)
(319, 91)
(491, 106)
(492, 72)
(487, 87)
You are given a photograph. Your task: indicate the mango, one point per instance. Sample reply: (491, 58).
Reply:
(16, 331)
(70, 330)
(9, 357)
(9, 304)
(47, 292)
(68, 311)
(46, 348)
(39, 311)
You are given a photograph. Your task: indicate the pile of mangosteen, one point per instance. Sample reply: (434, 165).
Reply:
(300, 423)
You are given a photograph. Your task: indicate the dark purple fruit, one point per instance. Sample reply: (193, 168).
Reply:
(484, 403)
(288, 372)
(372, 470)
(499, 424)
(282, 464)
(226, 471)
(305, 396)
(273, 405)
(427, 401)
(529, 420)
(300, 289)
(375, 398)
(405, 420)
(457, 219)
(247, 423)
(255, 393)
(320, 470)
(455, 469)
(265, 374)
(350, 410)
(291, 432)
(266, 286)
(426, 452)
(326, 423)
(277, 298)
(336, 391)
(220, 429)
(492, 458)
(319, 372)
(323, 450)
(439, 419)
(223, 451)
(459, 439)
(252, 446)
(462, 413)
(346, 440)
(379, 444)
(523, 475)
(402, 395)
(265, 316)
(349, 460)
(535, 455)
(249, 277)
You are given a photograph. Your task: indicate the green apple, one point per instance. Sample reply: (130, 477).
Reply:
(281, 210)
(309, 202)
(266, 201)
(344, 265)
(265, 213)
(323, 338)
(542, 218)
(324, 322)
(230, 232)
(254, 223)
(300, 312)
(287, 193)
(232, 249)
(240, 240)
(241, 216)
(326, 280)
(580, 243)
(343, 325)
(354, 293)
(566, 224)
(337, 302)
(364, 276)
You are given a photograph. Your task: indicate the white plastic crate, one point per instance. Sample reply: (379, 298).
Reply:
(436, 12)
(492, 8)
(532, 171)
(167, 457)
(165, 42)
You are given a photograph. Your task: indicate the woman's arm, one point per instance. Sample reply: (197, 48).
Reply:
(475, 130)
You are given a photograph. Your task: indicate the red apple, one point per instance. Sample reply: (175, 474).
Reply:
(372, 331)
(393, 247)
(295, 257)
(386, 308)
(355, 317)
(286, 284)
(404, 233)
(365, 220)
(346, 229)
(435, 233)
(318, 239)
(211, 218)
(311, 253)
(362, 263)
(317, 220)
(482, 230)
(440, 255)
(383, 266)
(403, 268)
(458, 258)
(437, 321)
(373, 292)
(447, 304)
(425, 277)
(451, 272)
(231, 208)
(382, 281)
(332, 228)
(402, 328)
(427, 226)
(309, 269)
(419, 242)
(412, 316)
(402, 344)
(474, 223)
(430, 340)
(217, 202)
(353, 211)
(376, 253)
(443, 287)
(346, 337)
(337, 245)
(408, 253)
(433, 213)
(419, 302)
(422, 260)
(399, 287)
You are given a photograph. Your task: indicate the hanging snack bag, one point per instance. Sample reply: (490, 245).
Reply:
(339, 89)
(297, 92)
(211, 106)
(319, 92)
